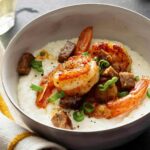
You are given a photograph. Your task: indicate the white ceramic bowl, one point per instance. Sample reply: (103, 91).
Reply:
(109, 22)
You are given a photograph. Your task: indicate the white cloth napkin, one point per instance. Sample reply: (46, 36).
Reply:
(15, 137)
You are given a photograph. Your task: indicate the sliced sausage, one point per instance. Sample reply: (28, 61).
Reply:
(110, 72)
(62, 120)
(66, 51)
(103, 79)
(101, 54)
(72, 102)
(104, 96)
(127, 80)
(24, 64)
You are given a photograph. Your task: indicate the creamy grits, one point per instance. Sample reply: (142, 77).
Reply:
(27, 96)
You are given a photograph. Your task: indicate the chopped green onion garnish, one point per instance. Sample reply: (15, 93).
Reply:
(148, 92)
(36, 88)
(37, 65)
(56, 96)
(137, 78)
(100, 71)
(42, 53)
(123, 94)
(107, 84)
(85, 53)
(96, 59)
(78, 116)
(40, 69)
(104, 63)
(88, 107)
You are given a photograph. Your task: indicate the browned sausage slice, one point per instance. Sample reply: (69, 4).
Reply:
(62, 120)
(72, 102)
(110, 72)
(127, 80)
(24, 64)
(66, 51)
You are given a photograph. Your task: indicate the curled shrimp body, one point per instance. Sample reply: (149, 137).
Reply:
(77, 75)
(48, 86)
(115, 53)
(125, 104)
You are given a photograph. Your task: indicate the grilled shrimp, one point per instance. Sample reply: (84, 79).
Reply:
(116, 54)
(123, 105)
(48, 86)
(84, 41)
(77, 75)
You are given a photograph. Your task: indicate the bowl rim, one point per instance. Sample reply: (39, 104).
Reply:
(44, 15)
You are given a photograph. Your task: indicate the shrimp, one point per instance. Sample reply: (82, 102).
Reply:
(126, 104)
(48, 86)
(84, 41)
(116, 54)
(77, 75)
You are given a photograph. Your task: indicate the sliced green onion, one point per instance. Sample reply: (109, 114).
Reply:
(148, 92)
(36, 88)
(123, 94)
(88, 107)
(96, 59)
(107, 84)
(137, 78)
(40, 69)
(42, 53)
(85, 53)
(56, 96)
(104, 63)
(78, 116)
(37, 65)
(101, 71)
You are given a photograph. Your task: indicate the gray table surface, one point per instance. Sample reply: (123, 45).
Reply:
(28, 10)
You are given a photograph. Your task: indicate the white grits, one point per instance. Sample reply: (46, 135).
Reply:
(27, 96)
